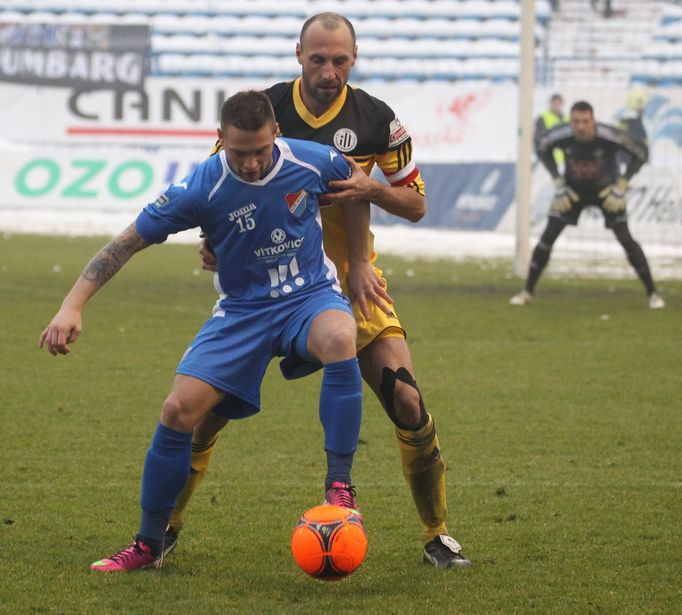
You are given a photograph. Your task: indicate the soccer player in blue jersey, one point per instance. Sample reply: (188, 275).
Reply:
(257, 202)
(322, 107)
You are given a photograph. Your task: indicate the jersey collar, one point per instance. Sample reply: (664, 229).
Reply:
(326, 117)
(277, 158)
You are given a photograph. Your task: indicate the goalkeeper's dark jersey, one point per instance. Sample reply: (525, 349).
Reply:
(359, 125)
(592, 165)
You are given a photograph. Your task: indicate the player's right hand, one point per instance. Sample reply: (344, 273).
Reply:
(366, 287)
(564, 196)
(358, 187)
(63, 330)
(209, 262)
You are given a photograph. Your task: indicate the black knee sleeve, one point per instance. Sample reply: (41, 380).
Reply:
(388, 380)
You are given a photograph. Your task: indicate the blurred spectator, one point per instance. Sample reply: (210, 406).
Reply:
(549, 119)
(631, 119)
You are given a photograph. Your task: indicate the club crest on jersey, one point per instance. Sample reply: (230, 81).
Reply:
(297, 202)
(345, 139)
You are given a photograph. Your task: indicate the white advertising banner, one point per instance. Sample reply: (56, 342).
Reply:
(82, 156)
(87, 179)
(448, 122)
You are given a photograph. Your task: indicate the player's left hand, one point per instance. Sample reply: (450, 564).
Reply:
(366, 287)
(614, 196)
(358, 187)
(63, 330)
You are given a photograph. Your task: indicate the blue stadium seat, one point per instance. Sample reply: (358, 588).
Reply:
(400, 39)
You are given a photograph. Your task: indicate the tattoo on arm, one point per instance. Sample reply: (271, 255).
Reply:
(109, 260)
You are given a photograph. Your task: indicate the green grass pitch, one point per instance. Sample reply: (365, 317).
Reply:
(559, 423)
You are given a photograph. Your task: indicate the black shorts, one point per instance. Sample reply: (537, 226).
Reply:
(590, 200)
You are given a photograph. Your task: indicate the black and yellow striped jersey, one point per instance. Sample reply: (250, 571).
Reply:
(359, 125)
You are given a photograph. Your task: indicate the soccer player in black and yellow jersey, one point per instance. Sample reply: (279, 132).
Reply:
(320, 106)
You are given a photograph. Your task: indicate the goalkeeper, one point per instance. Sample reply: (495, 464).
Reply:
(592, 178)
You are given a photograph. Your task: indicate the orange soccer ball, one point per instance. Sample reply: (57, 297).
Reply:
(329, 542)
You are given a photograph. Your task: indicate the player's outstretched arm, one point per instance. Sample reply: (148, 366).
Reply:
(401, 201)
(364, 287)
(66, 325)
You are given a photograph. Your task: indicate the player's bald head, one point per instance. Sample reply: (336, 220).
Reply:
(328, 21)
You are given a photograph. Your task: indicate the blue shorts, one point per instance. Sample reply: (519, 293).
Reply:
(233, 349)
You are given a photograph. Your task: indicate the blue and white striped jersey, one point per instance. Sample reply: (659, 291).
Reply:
(266, 234)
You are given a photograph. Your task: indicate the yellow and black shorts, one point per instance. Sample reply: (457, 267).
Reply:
(379, 325)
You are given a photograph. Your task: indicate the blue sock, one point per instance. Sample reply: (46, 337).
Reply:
(165, 473)
(340, 415)
(338, 468)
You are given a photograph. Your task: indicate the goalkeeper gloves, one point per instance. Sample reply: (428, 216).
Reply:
(614, 196)
(564, 196)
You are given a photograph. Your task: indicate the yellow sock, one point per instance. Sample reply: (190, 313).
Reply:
(424, 470)
(201, 457)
